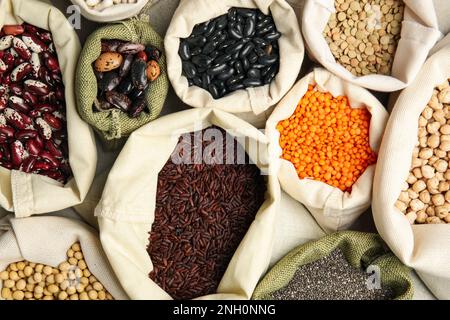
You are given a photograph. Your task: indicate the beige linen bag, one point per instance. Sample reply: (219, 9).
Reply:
(256, 100)
(28, 194)
(113, 13)
(426, 248)
(418, 35)
(126, 210)
(332, 208)
(46, 240)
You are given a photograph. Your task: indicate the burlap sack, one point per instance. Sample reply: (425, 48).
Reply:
(115, 124)
(361, 251)
(126, 210)
(28, 194)
(46, 240)
(418, 35)
(256, 100)
(114, 13)
(422, 247)
(332, 208)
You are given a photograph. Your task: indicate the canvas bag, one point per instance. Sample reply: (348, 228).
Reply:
(115, 13)
(28, 194)
(422, 247)
(114, 125)
(332, 208)
(418, 35)
(126, 210)
(361, 251)
(256, 100)
(46, 240)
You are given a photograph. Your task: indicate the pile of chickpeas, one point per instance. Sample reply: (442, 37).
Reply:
(71, 280)
(425, 197)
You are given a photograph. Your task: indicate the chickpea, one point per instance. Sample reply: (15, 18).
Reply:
(433, 141)
(434, 220)
(6, 293)
(84, 296)
(419, 186)
(62, 295)
(78, 255)
(440, 153)
(421, 216)
(18, 295)
(438, 199)
(47, 270)
(416, 205)
(13, 267)
(74, 297)
(445, 137)
(93, 295)
(427, 171)
(422, 121)
(444, 186)
(433, 183)
(411, 179)
(21, 284)
(70, 253)
(425, 196)
(82, 264)
(28, 271)
(76, 247)
(101, 295)
(9, 283)
(442, 211)
(418, 173)
(445, 146)
(433, 127)
(4, 275)
(445, 129)
(28, 295)
(97, 286)
(21, 265)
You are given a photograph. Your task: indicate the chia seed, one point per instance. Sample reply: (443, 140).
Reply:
(331, 278)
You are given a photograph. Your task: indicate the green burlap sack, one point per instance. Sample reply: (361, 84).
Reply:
(114, 124)
(360, 249)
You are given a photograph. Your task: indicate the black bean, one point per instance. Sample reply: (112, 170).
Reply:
(265, 30)
(235, 55)
(222, 22)
(268, 79)
(223, 91)
(260, 16)
(214, 91)
(219, 84)
(209, 47)
(247, 13)
(216, 69)
(220, 37)
(252, 82)
(234, 33)
(196, 41)
(210, 29)
(232, 14)
(235, 48)
(200, 28)
(267, 69)
(252, 57)
(196, 51)
(226, 74)
(235, 80)
(249, 46)
(254, 73)
(213, 55)
(259, 42)
(184, 52)
(260, 52)
(238, 67)
(239, 25)
(198, 81)
(189, 69)
(268, 60)
(272, 36)
(201, 70)
(206, 80)
(226, 44)
(249, 29)
(245, 64)
(223, 58)
(202, 60)
(235, 87)
(259, 66)
(264, 22)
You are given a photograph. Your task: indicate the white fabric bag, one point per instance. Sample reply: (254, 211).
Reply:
(332, 208)
(418, 35)
(126, 210)
(113, 13)
(46, 240)
(422, 247)
(256, 100)
(28, 194)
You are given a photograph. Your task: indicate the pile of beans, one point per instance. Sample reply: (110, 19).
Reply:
(234, 51)
(123, 71)
(425, 197)
(202, 213)
(33, 136)
(331, 278)
(363, 34)
(100, 5)
(327, 140)
(72, 280)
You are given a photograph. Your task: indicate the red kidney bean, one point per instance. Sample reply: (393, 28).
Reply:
(31, 29)
(3, 67)
(21, 71)
(45, 108)
(27, 164)
(53, 149)
(18, 153)
(3, 102)
(54, 122)
(45, 36)
(29, 98)
(14, 118)
(35, 63)
(18, 104)
(7, 132)
(13, 29)
(16, 89)
(8, 59)
(59, 93)
(51, 62)
(37, 87)
(26, 134)
(50, 158)
(21, 49)
(33, 147)
(41, 165)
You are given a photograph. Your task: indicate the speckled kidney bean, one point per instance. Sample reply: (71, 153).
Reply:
(33, 136)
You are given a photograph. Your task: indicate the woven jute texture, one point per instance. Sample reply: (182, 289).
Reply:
(115, 124)
(360, 249)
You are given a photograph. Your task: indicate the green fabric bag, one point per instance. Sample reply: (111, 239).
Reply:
(360, 249)
(115, 124)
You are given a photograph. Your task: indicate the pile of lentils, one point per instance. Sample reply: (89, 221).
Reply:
(330, 278)
(425, 197)
(234, 51)
(202, 213)
(363, 34)
(72, 280)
